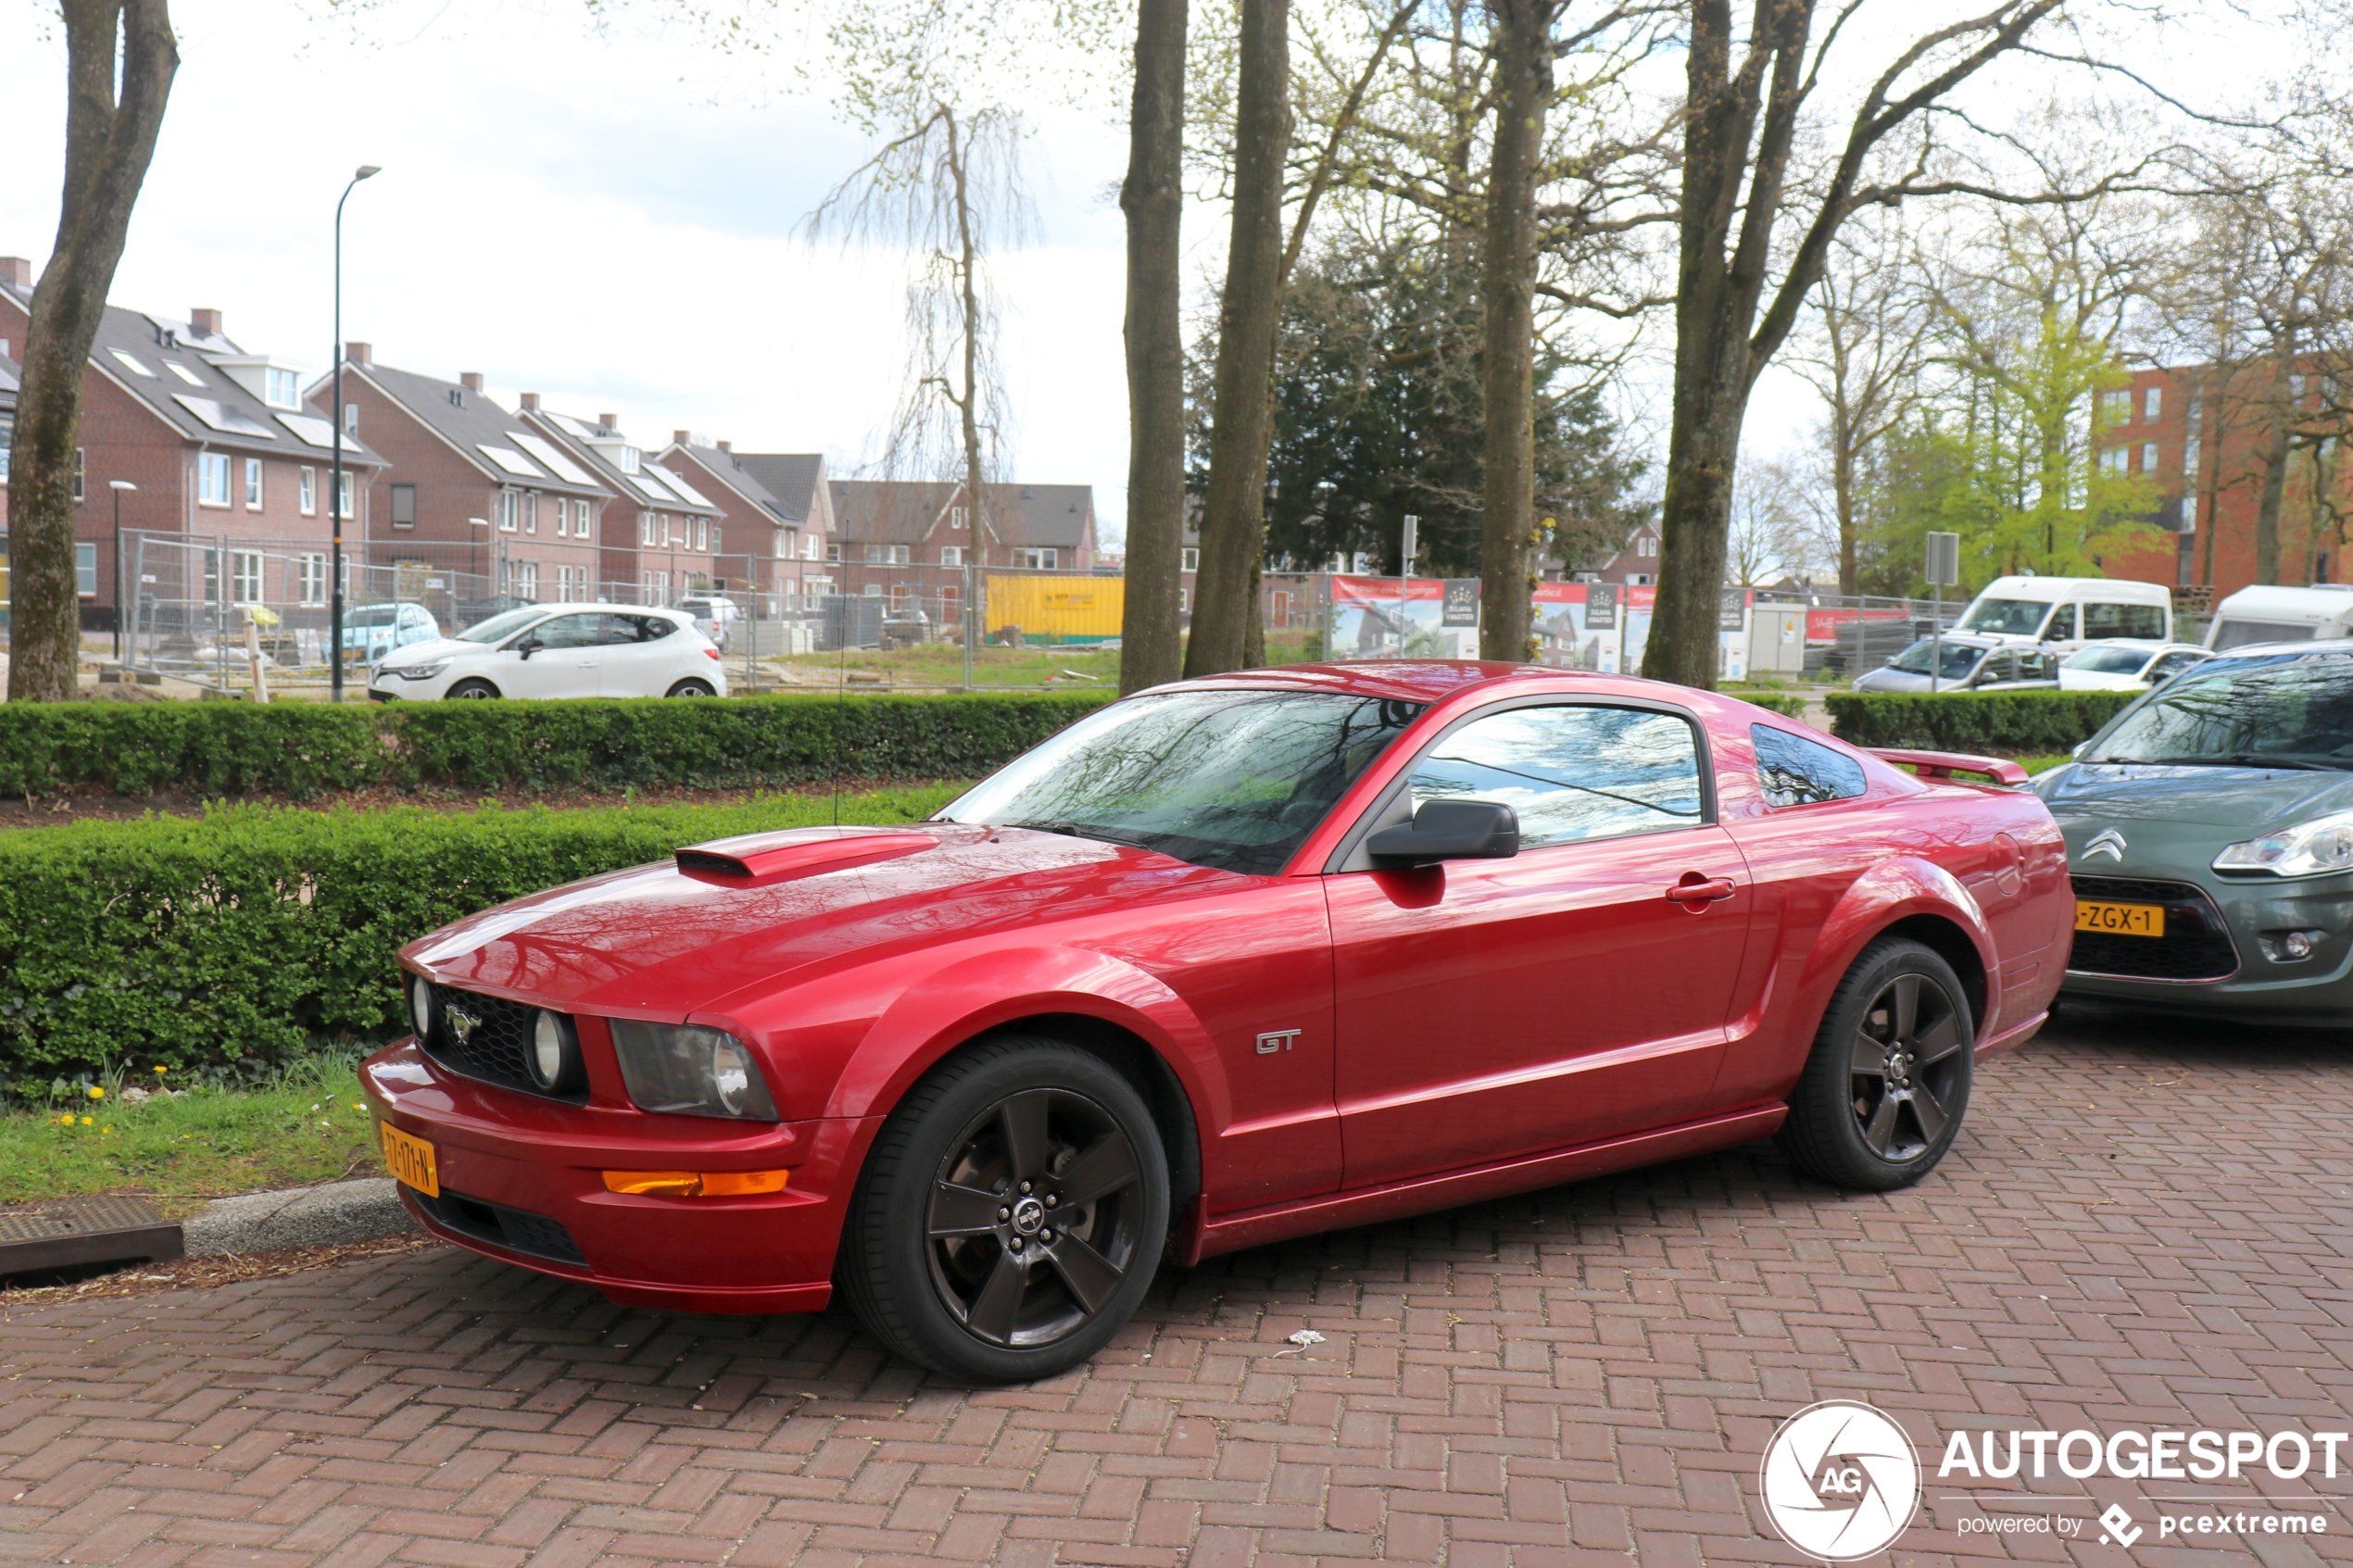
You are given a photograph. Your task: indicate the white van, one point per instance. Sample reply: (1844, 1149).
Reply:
(2267, 613)
(2069, 611)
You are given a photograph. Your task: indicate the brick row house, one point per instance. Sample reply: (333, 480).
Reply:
(777, 509)
(662, 536)
(205, 443)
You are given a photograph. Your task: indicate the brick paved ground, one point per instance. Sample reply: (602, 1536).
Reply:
(2144, 1225)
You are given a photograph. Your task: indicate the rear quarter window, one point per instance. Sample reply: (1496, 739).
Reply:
(1793, 770)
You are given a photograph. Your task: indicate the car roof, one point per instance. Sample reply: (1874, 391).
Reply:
(2050, 590)
(2320, 601)
(1440, 680)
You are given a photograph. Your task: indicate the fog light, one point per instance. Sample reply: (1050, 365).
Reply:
(2297, 945)
(694, 1183)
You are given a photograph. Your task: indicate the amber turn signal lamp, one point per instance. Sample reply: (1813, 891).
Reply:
(694, 1183)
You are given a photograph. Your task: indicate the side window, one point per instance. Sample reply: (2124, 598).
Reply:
(1797, 772)
(1570, 772)
(567, 632)
(2124, 621)
(2062, 627)
(1997, 667)
(2172, 664)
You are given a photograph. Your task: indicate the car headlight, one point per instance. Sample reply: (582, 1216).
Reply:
(554, 1057)
(420, 1007)
(688, 1071)
(2313, 849)
(420, 671)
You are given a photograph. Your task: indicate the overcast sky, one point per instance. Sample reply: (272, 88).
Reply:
(610, 222)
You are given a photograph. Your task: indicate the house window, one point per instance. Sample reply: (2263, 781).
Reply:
(2189, 461)
(85, 570)
(956, 519)
(351, 418)
(2148, 457)
(873, 554)
(815, 588)
(343, 499)
(873, 590)
(1184, 600)
(952, 555)
(580, 519)
(1036, 560)
(404, 506)
(310, 490)
(2116, 406)
(279, 389)
(531, 513)
(79, 473)
(1192, 560)
(2113, 459)
(833, 551)
(2152, 402)
(252, 484)
(509, 510)
(527, 579)
(787, 544)
(311, 576)
(212, 480)
(244, 577)
(809, 551)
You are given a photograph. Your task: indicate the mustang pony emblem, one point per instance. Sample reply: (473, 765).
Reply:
(2109, 843)
(462, 1023)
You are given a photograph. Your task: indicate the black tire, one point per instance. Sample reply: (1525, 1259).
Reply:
(691, 688)
(475, 688)
(1885, 1092)
(954, 1253)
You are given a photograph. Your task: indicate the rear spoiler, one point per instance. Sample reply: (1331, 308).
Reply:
(1942, 765)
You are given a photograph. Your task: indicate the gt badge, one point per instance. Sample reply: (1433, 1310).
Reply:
(1279, 1040)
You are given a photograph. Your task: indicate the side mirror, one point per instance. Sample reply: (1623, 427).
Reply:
(1450, 830)
(529, 645)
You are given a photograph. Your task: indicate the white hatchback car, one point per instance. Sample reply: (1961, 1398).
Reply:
(560, 650)
(2127, 664)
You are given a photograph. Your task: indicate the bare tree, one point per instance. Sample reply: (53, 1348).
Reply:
(1522, 45)
(948, 188)
(1153, 197)
(1234, 510)
(120, 58)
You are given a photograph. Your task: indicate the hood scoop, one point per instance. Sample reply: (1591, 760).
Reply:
(761, 859)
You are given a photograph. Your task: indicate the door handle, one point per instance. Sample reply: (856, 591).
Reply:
(1697, 892)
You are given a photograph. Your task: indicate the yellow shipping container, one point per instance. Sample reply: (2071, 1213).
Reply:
(1055, 610)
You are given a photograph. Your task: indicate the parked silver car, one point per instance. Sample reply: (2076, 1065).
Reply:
(1964, 662)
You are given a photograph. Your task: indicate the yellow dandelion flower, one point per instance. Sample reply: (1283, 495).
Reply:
(96, 1092)
(88, 1121)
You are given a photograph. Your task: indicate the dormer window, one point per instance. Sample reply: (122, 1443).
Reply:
(279, 389)
(628, 459)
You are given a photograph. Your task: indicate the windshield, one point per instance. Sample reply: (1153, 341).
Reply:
(2290, 710)
(502, 626)
(1958, 659)
(2006, 618)
(1234, 778)
(2110, 662)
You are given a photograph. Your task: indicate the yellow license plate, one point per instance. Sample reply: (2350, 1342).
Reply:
(2121, 920)
(409, 1159)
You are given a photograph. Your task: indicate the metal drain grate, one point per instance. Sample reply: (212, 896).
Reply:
(72, 1232)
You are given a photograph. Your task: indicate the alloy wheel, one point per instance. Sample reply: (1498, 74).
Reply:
(1905, 1068)
(1034, 1217)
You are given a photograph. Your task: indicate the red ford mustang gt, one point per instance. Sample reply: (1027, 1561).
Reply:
(1227, 962)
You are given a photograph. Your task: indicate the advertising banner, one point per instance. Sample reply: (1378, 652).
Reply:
(1605, 627)
(1392, 618)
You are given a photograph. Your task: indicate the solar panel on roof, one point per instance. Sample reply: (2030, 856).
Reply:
(644, 480)
(689, 491)
(552, 457)
(220, 416)
(507, 458)
(131, 362)
(185, 374)
(315, 433)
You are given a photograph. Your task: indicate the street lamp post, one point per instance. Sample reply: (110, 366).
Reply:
(117, 486)
(335, 481)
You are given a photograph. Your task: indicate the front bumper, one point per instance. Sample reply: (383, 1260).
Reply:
(2265, 985)
(522, 1179)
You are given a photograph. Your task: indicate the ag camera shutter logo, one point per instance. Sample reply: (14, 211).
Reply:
(1840, 1481)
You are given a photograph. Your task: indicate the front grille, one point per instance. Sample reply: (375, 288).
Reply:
(494, 1050)
(2196, 945)
(514, 1229)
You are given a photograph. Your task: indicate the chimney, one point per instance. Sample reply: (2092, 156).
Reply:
(16, 271)
(680, 437)
(531, 402)
(357, 353)
(606, 421)
(206, 321)
(469, 380)
(728, 447)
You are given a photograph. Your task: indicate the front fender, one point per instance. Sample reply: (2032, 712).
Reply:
(1890, 890)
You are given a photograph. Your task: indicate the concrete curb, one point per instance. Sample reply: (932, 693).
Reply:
(319, 1216)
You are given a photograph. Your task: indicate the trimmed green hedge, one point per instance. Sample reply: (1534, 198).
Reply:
(259, 931)
(301, 749)
(2029, 723)
(1787, 705)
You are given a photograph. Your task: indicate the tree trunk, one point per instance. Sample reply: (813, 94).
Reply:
(1153, 199)
(1234, 512)
(1850, 570)
(1523, 36)
(109, 142)
(967, 268)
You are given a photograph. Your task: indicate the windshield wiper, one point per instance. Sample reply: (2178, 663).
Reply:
(1081, 830)
(2229, 759)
